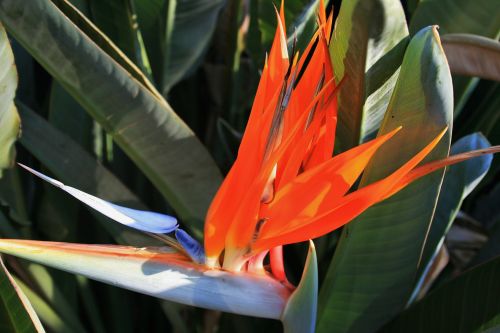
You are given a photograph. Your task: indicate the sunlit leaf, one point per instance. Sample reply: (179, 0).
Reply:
(16, 313)
(9, 119)
(366, 49)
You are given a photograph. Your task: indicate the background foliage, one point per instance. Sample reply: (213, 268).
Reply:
(83, 122)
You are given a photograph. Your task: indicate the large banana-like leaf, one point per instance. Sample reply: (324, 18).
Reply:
(373, 270)
(468, 303)
(142, 124)
(366, 49)
(71, 164)
(161, 273)
(9, 119)
(16, 313)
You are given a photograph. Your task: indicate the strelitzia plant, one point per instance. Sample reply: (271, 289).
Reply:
(286, 186)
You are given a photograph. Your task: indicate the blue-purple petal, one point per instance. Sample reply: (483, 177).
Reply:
(192, 247)
(138, 219)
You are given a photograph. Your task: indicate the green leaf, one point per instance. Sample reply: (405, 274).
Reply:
(141, 123)
(9, 119)
(473, 55)
(186, 42)
(70, 163)
(373, 270)
(458, 183)
(176, 34)
(50, 290)
(118, 20)
(89, 29)
(468, 303)
(299, 315)
(366, 32)
(56, 221)
(479, 17)
(305, 24)
(46, 286)
(48, 315)
(13, 196)
(16, 313)
(300, 17)
(160, 272)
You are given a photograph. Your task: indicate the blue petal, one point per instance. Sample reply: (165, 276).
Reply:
(138, 219)
(191, 246)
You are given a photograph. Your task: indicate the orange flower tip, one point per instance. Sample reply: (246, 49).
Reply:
(281, 29)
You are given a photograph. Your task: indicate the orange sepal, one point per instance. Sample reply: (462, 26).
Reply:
(436, 165)
(318, 188)
(346, 208)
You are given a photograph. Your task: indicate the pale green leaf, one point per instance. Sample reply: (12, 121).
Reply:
(9, 119)
(299, 315)
(16, 313)
(366, 50)
(373, 270)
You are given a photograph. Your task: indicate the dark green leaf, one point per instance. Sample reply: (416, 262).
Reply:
(177, 34)
(458, 183)
(71, 164)
(468, 303)
(141, 123)
(479, 17)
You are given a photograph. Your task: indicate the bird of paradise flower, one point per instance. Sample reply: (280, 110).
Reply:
(284, 187)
